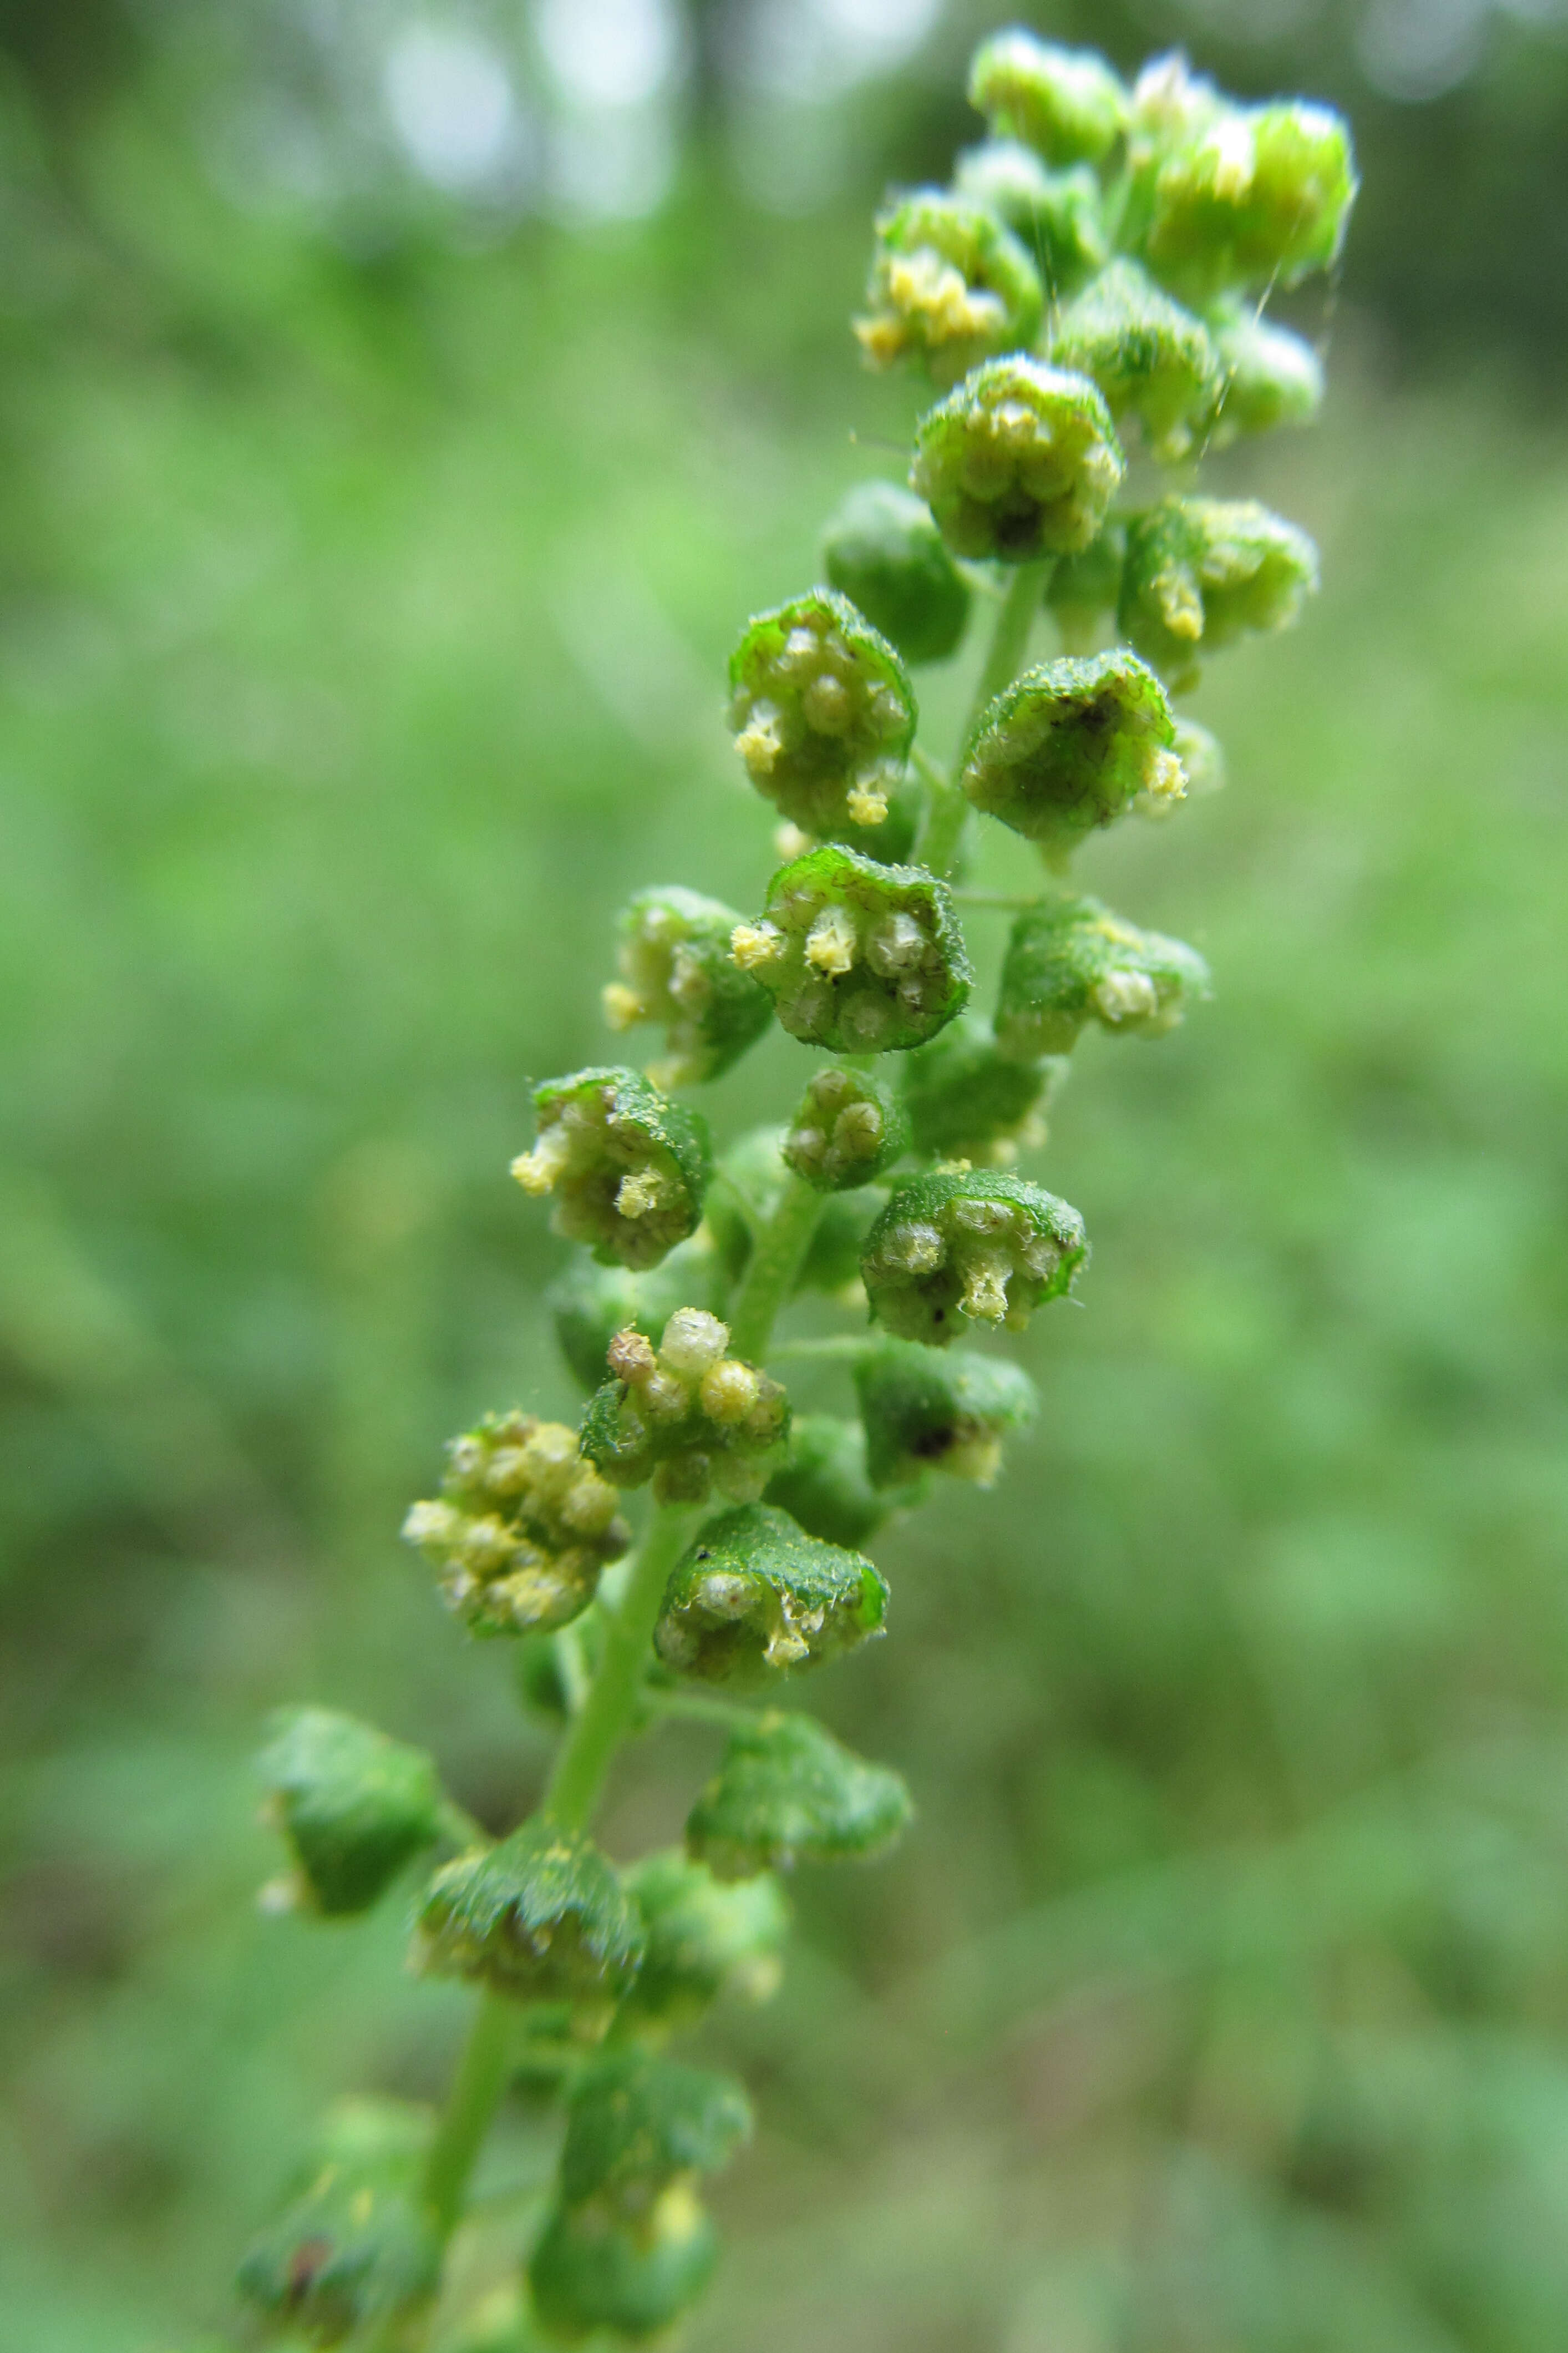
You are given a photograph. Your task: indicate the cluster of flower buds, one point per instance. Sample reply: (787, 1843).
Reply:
(627, 1166)
(523, 1528)
(1071, 961)
(1072, 745)
(687, 1415)
(787, 1792)
(924, 1410)
(676, 968)
(589, 1303)
(355, 2247)
(857, 956)
(354, 1808)
(969, 1245)
(849, 1129)
(822, 714)
(755, 1596)
(542, 1919)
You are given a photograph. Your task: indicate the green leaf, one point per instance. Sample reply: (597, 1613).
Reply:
(704, 1939)
(627, 1166)
(355, 2247)
(1071, 961)
(951, 284)
(541, 1916)
(977, 1244)
(822, 714)
(636, 2122)
(883, 551)
(354, 1807)
(1072, 745)
(849, 1129)
(676, 968)
(755, 1595)
(929, 1412)
(786, 1791)
(1067, 104)
(1020, 460)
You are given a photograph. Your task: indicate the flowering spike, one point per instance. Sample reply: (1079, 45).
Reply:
(522, 1528)
(824, 1484)
(676, 968)
(1020, 460)
(859, 957)
(849, 1129)
(1072, 745)
(540, 1918)
(787, 1792)
(355, 2247)
(755, 1595)
(688, 1416)
(883, 551)
(822, 714)
(949, 285)
(627, 1166)
(1059, 216)
(967, 1099)
(1269, 376)
(354, 1807)
(1067, 104)
(977, 1245)
(1149, 357)
(1071, 961)
(588, 2273)
(926, 1411)
(1201, 573)
(589, 1303)
(704, 1939)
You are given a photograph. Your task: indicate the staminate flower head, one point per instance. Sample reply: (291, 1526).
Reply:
(1072, 745)
(354, 1807)
(859, 957)
(687, 1415)
(522, 1528)
(1269, 377)
(704, 1939)
(949, 285)
(968, 1245)
(1071, 961)
(589, 2272)
(1150, 358)
(883, 551)
(787, 1792)
(540, 1918)
(822, 714)
(628, 1166)
(676, 968)
(755, 1595)
(965, 1099)
(850, 1128)
(1065, 103)
(927, 1410)
(1201, 573)
(589, 1303)
(1019, 460)
(636, 2122)
(1057, 216)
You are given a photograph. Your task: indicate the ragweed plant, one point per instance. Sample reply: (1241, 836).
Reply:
(1093, 284)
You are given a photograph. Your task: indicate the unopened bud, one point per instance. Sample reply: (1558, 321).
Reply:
(587, 2272)
(677, 968)
(627, 1166)
(1072, 745)
(977, 1245)
(1065, 103)
(787, 1792)
(1071, 961)
(849, 1129)
(822, 714)
(1269, 377)
(870, 958)
(1058, 216)
(883, 551)
(636, 2122)
(1020, 460)
(525, 1528)
(755, 1595)
(1201, 573)
(949, 285)
(1150, 358)
(967, 1099)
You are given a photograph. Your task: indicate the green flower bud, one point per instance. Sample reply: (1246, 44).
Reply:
(541, 1917)
(755, 1595)
(588, 2273)
(1147, 355)
(980, 1244)
(1269, 376)
(1200, 572)
(926, 1411)
(676, 967)
(1082, 592)
(704, 1939)
(1074, 744)
(690, 1416)
(824, 1484)
(1246, 196)
(849, 1129)
(883, 551)
(589, 1303)
(522, 1528)
(354, 1807)
(1020, 460)
(628, 1167)
(822, 714)
(1058, 216)
(967, 1100)
(949, 285)
(858, 957)
(787, 1792)
(355, 2247)
(754, 1173)
(634, 2123)
(1071, 961)
(1065, 103)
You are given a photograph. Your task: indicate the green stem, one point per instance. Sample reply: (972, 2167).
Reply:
(698, 1707)
(471, 2109)
(777, 1255)
(1010, 638)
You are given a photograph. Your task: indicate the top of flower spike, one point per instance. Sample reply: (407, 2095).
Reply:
(1067, 104)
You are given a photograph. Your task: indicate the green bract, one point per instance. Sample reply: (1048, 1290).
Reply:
(690, 1416)
(787, 1792)
(1059, 216)
(704, 1939)
(965, 1099)
(928, 1412)
(1072, 745)
(949, 285)
(859, 957)
(1245, 197)
(541, 1917)
(1067, 104)
(356, 2246)
(1268, 376)
(883, 551)
(676, 967)
(589, 1303)
(588, 2272)
(849, 1129)
(968, 1244)
(824, 1484)
(1147, 355)
(1020, 460)
(1200, 572)
(354, 1806)
(755, 1595)
(628, 1167)
(522, 1528)
(1083, 590)
(822, 714)
(1071, 961)
(634, 2123)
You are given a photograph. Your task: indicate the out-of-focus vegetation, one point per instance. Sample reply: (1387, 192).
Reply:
(363, 605)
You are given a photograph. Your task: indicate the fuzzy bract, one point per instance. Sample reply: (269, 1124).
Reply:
(1201, 573)
(824, 1484)
(354, 1807)
(969, 1245)
(1065, 103)
(1020, 460)
(785, 1792)
(967, 1099)
(1150, 358)
(676, 968)
(928, 1411)
(1072, 745)
(883, 551)
(636, 2122)
(355, 2247)
(705, 1939)
(540, 1918)
(589, 2271)
(755, 1596)
(1268, 376)
(1058, 216)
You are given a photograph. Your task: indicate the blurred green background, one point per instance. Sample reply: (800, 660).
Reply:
(399, 409)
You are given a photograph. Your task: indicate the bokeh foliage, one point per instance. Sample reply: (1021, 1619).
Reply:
(362, 624)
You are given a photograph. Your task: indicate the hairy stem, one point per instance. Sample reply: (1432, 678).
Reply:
(777, 1255)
